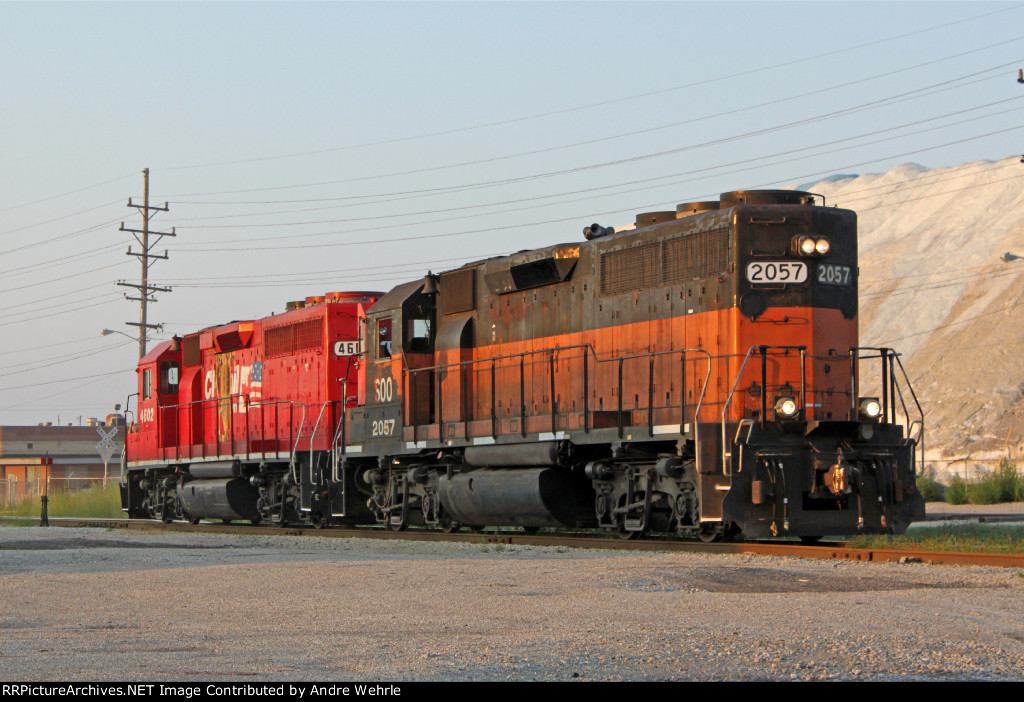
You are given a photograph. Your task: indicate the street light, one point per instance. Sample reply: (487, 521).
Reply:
(108, 332)
(140, 340)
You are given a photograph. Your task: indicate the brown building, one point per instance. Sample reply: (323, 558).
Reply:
(62, 457)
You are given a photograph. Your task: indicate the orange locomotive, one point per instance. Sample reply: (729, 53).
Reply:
(698, 374)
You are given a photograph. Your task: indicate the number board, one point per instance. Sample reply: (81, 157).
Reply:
(775, 272)
(834, 274)
(348, 348)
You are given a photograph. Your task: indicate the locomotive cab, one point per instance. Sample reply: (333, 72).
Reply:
(159, 375)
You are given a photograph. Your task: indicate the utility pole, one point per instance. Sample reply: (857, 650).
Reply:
(145, 289)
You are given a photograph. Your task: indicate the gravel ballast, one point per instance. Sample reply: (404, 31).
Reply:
(95, 604)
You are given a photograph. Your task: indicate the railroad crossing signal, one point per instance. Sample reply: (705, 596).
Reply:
(106, 447)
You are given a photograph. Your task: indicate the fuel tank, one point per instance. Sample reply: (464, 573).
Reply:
(526, 497)
(226, 498)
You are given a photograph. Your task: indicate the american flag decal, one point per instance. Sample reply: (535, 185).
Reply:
(256, 383)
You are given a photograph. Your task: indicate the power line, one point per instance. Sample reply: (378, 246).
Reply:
(69, 192)
(68, 380)
(560, 220)
(50, 281)
(902, 96)
(956, 282)
(57, 262)
(952, 324)
(58, 312)
(707, 81)
(747, 160)
(58, 360)
(62, 237)
(48, 304)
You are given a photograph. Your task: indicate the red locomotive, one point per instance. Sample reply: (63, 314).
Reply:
(698, 374)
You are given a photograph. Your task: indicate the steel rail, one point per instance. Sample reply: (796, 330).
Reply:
(828, 551)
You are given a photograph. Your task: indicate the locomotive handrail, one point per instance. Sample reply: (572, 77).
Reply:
(891, 390)
(339, 431)
(263, 402)
(214, 400)
(298, 436)
(920, 411)
(726, 465)
(312, 437)
(551, 351)
(127, 434)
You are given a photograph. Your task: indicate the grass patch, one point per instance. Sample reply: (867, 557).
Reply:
(930, 488)
(96, 502)
(1003, 485)
(987, 538)
(956, 493)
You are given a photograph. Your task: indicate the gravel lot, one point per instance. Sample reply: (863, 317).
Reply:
(93, 604)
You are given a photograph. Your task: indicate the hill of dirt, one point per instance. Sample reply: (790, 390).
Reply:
(942, 282)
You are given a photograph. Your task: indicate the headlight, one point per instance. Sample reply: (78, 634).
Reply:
(869, 409)
(811, 246)
(786, 408)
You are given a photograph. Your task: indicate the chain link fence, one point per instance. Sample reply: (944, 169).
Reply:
(14, 491)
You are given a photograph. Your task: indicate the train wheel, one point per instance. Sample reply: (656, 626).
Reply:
(627, 534)
(711, 535)
(447, 524)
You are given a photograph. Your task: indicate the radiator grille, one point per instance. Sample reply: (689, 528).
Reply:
(190, 354)
(458, 291)
(665, 262)
(293, 337)
(630, 269)
(696, 256)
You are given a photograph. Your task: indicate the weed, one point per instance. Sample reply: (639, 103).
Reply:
(956, 493)
(931, 490)
(95, 502)
(990, 538)
(1004, 485)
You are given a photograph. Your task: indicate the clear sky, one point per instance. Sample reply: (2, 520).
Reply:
(304, 148)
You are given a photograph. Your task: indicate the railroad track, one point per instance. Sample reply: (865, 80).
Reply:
(824, 550)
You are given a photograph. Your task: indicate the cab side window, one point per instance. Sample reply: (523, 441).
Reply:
(384, 338)
(147, 383)
(169, 373)
(418, 335)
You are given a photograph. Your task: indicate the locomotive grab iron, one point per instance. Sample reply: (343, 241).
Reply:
(699, 374)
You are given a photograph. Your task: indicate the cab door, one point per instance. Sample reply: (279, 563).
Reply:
(149, 415)
(168, 378)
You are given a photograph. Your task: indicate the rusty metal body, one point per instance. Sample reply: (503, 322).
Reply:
(698, 374)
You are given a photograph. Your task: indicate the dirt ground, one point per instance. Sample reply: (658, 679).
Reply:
(90, 604)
